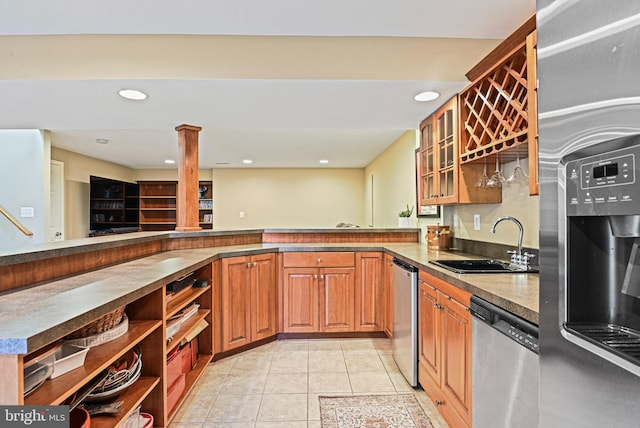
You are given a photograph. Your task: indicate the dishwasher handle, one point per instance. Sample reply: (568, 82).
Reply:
(404, 265)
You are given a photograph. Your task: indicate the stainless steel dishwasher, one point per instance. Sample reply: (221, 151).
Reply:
(405, 320)
(505, 368)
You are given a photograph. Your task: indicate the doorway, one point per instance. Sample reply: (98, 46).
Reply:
(56, 209)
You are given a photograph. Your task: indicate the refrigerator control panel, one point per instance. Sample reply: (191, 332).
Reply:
(604, 184)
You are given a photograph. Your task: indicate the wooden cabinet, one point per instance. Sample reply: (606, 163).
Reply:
(318, 292)
(442, 179)
(264, 310)
(113, 204)
(248, 300)
(388, 295)
(498, 110)
(158, 205)
(370, 289)
(158, 202)
(205, 204)
(532, 111)
(445, 348)
(438, 148)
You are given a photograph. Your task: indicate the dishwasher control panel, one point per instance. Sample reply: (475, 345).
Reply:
(512, 326)
(523, 338)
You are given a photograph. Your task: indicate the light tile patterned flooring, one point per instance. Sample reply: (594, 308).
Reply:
(278, 384)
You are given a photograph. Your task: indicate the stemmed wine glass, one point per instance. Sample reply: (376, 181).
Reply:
(497, 178)
(484, 178)
(518, 175)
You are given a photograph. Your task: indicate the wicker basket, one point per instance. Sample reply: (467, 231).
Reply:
(104, 323)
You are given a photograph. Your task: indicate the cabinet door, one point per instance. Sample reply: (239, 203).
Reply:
(427, 171)
(429, 335)
(369, 289)
(337, 304)
(456, 356)
(388, 295)
(446, 124)
(236, 292)
(300, 300)
(263, 296)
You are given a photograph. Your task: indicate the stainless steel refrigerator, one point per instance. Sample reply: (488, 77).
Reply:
(589, 169)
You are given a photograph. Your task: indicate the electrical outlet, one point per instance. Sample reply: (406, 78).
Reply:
(241, 214)
(476, 222)
(455, 220)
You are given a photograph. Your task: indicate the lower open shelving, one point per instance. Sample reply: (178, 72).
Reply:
(192, 378)
(56, 391)
(131, 398)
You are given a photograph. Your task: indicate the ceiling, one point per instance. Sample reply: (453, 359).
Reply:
(284, 83)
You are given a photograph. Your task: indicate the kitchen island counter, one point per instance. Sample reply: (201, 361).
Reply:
(117, 284)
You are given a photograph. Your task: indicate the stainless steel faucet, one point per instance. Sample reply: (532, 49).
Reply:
(518, 259)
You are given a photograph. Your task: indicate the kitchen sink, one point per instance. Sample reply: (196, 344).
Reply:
(479, 266)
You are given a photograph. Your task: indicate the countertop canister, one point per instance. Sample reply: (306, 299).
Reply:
(438, 237)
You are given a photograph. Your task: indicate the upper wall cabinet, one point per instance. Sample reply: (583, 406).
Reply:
(443, 180)
(498, 111)
(438, 148)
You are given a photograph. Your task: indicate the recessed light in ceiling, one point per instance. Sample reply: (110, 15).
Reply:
(247, 161)
(323, 161)
(169, 161)
(426, 96)
(102, 141)
(132, 94)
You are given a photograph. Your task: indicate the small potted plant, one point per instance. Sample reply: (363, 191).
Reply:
(404, 217)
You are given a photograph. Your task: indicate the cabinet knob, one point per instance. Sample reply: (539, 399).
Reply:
(315, 276)
(255, 264)
(249, 265)
(439, 402)
(319, 259)
(321, 276)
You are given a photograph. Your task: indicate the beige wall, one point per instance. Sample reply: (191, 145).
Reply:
(516, 202)
(77, 169)
(312, 197)
(286, 198)
(390, 184)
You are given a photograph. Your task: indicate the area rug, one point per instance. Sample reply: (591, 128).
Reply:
(372, 411)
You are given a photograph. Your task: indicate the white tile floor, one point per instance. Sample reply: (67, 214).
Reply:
(277, 384)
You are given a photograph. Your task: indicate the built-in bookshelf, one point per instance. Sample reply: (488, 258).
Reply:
(158, 205)
(113, 204)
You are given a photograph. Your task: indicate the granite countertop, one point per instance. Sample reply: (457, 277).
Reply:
(31, 317)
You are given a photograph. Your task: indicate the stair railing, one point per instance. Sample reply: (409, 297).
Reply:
(15, 222)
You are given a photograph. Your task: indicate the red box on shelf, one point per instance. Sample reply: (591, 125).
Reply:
(179, 364)
(175, 391)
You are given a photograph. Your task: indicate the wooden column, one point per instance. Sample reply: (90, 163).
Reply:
(187, 219)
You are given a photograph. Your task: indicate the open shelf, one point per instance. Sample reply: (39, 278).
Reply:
(132, 397)
(192, 378)
(55, 391)
(186, 328)
(182, 298)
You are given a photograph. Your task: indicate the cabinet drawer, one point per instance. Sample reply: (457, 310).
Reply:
(319, 259)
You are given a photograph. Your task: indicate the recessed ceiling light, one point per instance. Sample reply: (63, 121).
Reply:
(169, 161)
(323, 161)
(102, 141)
(247, 161)
(426, 96)
(132, 94)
